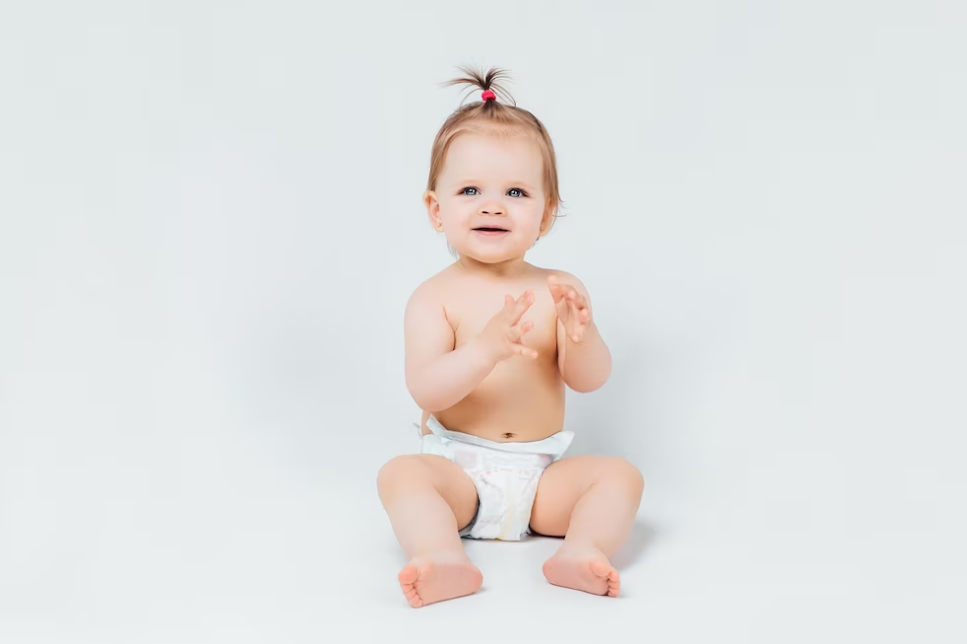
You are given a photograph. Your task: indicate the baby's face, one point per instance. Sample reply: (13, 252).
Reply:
(490, 182)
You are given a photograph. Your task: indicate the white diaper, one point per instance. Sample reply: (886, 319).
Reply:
(505, 475)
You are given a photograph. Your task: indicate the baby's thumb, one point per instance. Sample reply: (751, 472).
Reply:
(562, 308)
(524, 352)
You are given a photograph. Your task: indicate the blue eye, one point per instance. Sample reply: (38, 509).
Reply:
(476, 192)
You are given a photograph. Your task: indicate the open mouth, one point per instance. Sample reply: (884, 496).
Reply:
(490, 231)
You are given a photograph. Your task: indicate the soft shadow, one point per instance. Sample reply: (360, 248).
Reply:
(642, 536)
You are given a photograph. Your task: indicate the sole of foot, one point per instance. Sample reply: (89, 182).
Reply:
(584, 569)
(429, 579)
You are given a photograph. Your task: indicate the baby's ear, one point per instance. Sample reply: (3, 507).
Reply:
(432, 209)
(547, 222)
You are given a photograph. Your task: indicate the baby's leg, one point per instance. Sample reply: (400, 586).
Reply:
(429, 499)
(591, 501)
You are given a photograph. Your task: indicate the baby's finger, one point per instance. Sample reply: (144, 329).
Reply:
(557, 291)
(525, 352)
(574, 309)
(523, 303)
(574, 296)
(517, 331)
(578, 324)
(576, 332)
(580, 309)
(563, 309)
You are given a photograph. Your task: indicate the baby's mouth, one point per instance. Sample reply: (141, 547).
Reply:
(490, 231)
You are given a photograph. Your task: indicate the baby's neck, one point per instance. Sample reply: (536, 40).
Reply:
(509, 269)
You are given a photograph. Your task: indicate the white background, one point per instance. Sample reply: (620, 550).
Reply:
(210, 222)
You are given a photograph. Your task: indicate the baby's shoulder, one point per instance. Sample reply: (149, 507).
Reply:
(556, 272)
(565, 278)
(433, 290)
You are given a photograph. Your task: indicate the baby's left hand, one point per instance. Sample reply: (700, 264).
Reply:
(572, 308)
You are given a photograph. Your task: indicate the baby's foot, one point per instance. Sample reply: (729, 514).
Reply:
(435, 577)
(583, 568)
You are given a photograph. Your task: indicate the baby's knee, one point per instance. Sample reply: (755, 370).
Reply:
(400, 472)
(624, 473)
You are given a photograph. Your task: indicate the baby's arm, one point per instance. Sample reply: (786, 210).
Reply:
(585, 365)
(438, 376)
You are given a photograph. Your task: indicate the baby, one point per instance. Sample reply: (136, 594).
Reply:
(489, 371)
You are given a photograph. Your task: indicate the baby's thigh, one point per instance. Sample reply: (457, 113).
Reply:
(563, 484)
(415, 474)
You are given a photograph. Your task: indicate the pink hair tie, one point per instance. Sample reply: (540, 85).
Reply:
(488, 96)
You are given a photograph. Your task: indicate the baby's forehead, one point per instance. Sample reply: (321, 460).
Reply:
(488, 156)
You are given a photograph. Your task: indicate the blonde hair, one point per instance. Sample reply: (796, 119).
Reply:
(499, 119)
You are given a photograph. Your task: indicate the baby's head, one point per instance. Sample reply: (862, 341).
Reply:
(493, 176)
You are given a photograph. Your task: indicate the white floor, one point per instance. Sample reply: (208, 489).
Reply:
(258, 540)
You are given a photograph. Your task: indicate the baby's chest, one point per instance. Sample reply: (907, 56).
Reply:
(470, 318)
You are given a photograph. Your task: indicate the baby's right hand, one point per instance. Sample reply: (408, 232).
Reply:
(501, 337)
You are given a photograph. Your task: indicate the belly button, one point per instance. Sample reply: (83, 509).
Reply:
(508, 435)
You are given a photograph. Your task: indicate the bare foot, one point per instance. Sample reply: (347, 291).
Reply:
(436, 577)
(583, 568)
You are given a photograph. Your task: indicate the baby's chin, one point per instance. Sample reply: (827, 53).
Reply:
(492, 255)
(493, 258)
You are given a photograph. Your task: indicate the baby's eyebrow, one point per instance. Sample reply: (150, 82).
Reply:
(510, 184)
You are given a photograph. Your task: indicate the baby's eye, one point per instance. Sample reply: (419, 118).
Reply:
(522, 193)
(464, 191)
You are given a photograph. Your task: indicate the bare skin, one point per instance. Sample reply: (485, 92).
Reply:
(530, 391)
(428, 500)
(491, 343)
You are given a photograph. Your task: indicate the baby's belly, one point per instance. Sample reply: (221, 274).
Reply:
(509, 409)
